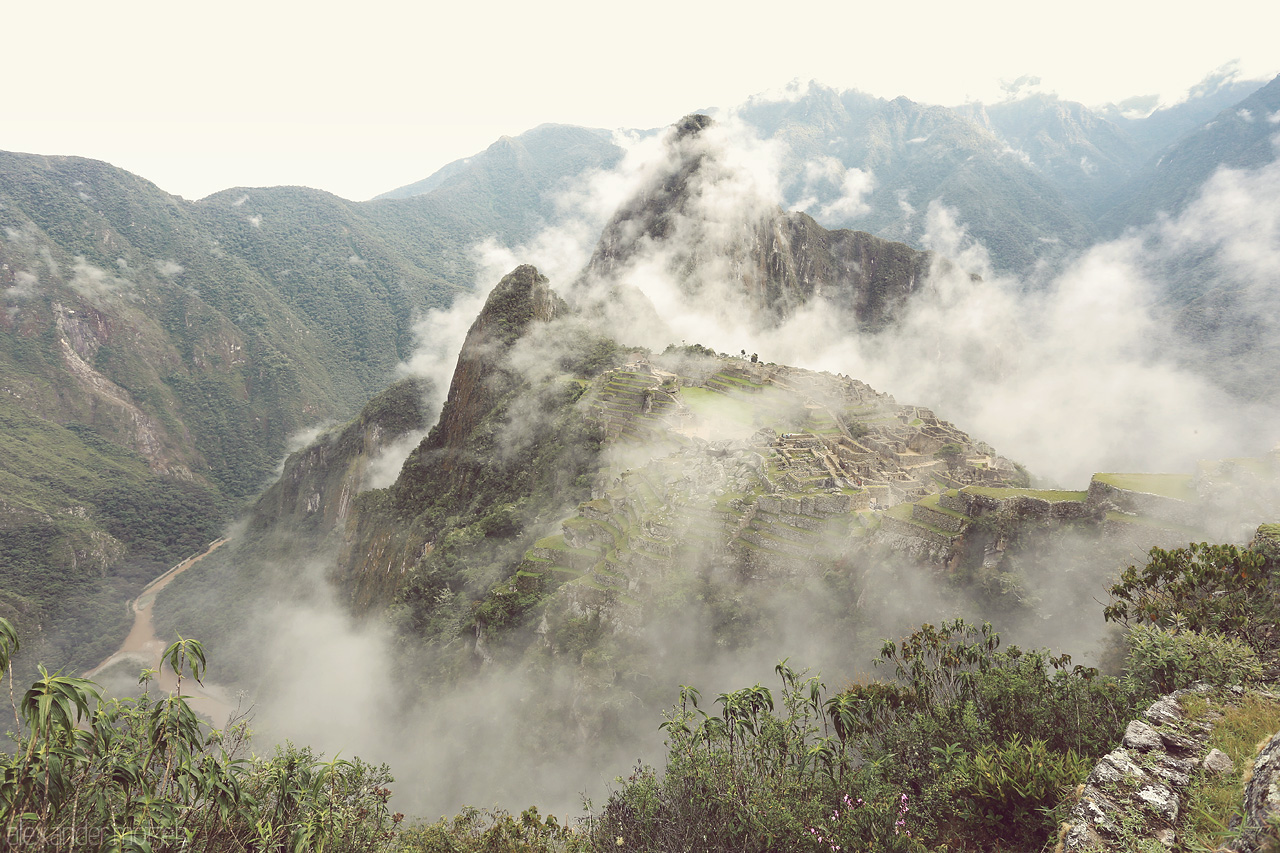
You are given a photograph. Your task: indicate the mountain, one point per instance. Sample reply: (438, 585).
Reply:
(156, 354)
(590, 525)
(1082, 153)
(536, 159)
(599, 516)
(513, 184)
(908, 155)
(1154, 128)
(765, 262)
(1239, 137)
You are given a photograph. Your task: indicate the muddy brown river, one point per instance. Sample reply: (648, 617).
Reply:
(144, 648)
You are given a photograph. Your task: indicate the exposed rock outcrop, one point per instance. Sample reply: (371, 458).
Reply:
(521, 298)
(1134, 796)
(1261, 801)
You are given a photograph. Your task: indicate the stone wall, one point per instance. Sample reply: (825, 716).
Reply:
(939, 519)
(1025, 506)
(1143, 503)
(915, 531)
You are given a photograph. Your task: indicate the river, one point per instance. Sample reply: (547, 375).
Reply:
(143, 647)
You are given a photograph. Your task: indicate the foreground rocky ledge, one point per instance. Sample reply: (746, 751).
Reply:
(1133, 797)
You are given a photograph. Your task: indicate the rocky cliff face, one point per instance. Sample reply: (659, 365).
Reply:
(1136, 796)
(314, 493)
(521, 298)
(465, 465)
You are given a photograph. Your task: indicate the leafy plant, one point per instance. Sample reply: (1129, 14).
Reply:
(1203, 587)
(1177, 657)
(1015, 784)
(476, 831)
(148, 775)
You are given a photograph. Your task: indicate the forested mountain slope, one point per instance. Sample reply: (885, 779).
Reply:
(156, 354)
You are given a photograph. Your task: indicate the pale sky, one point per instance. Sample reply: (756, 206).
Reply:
(362, 98)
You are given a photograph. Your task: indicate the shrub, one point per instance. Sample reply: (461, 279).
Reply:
(1014, 785)
(475, 831)
(148, 775)
(950, 739)
(1170, 659)
(1203, 587)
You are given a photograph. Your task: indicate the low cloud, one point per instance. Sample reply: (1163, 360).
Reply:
(94, 282)
(1075, 375)
(1071, 377)
(834, 193)
(23, 287)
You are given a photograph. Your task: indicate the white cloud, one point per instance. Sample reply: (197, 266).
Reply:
(23, 287)
(94, 282)
(1019, 154)
(1070, 379)
(833, 193)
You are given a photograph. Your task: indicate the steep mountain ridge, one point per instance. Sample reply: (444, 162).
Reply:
(1082, 153)
(518, 177)
(909, 155)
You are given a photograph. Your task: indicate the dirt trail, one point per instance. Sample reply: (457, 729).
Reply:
(144, 647)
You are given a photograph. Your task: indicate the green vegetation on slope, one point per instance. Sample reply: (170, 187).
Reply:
(1177, 486)
(163, 352)
(145, 775)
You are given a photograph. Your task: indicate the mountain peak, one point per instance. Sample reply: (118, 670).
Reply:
(523, 297)
(693, 124)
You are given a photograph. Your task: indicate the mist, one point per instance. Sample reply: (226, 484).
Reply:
(1079, 374)
(1076, 372)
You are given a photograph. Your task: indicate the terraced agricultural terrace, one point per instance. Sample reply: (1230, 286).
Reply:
(767, 470)
(754, 467)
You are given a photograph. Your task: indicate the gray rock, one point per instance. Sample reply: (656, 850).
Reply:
(1218, 763)
(1161, 800)
(1163, 711)
(1080, 836)
(1174, 776)
(1261, 798)
(1099, 812)
(1181, 743)
(1142, 737)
